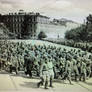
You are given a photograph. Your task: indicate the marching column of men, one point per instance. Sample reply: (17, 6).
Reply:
(46, 62)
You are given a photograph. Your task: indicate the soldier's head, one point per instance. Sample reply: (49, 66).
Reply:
(90, 57)
(45, 60)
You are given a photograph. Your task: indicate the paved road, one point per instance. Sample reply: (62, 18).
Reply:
(21, 83)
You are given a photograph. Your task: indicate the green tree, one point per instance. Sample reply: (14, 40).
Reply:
(84, 32)
(42, 35)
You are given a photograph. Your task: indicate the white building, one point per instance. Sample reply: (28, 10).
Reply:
(54, 29)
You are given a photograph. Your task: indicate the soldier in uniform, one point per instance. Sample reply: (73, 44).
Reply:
(14, 64)
(40, 71)
(83, 71)
(88, 68)
(75, 69)
(79, 67)
(62, 66)
(50, 70)
(28, 65)
(68, 69)
(44, 75)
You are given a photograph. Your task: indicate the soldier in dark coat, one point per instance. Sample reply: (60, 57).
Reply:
(28, 64)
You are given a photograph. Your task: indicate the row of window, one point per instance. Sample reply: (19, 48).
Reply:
(43, 20)
(19, 19)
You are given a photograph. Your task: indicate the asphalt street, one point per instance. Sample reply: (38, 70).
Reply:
(22, 83)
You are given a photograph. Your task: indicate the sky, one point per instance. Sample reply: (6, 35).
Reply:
(76, 10)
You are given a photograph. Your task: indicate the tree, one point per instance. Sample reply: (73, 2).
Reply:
(42, 35)
(77, 34)
(89, 27)
(84, 32)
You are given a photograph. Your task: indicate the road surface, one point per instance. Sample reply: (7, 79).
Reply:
(22, 83)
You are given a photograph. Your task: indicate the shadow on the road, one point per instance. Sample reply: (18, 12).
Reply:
(3, 72)
(19, 75)
(88, 83)
(29, 85)
(59, 81)
(23, 75)
(15, 75)
(28, 77)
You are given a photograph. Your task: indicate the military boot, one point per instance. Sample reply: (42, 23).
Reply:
(51, 82)
(46, 85)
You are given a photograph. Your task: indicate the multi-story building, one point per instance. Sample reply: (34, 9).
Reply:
(29, 25)
(24, 25)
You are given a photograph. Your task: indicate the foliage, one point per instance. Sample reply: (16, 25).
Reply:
(42, 35)
(82, 33)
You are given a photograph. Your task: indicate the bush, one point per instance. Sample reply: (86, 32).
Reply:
(42, 35)
(82, 33)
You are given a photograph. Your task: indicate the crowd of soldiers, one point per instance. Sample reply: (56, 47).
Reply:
(85, 46)
(46, 61)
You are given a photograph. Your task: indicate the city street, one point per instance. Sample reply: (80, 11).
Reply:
(21, 83)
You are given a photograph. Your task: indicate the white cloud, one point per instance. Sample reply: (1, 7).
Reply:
(5, 7)
(60, 4)
(73, 9)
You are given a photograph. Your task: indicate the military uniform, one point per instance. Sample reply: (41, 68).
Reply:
(51, 72)
(88, 68)
(44, 74)
(75, 69)
(14, 65)
(83, 71)
(79, 68)
(68, 70)
(28, 65)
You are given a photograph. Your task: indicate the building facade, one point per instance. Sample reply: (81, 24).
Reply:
(55, 28)
(29, 25)
(24, 25)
